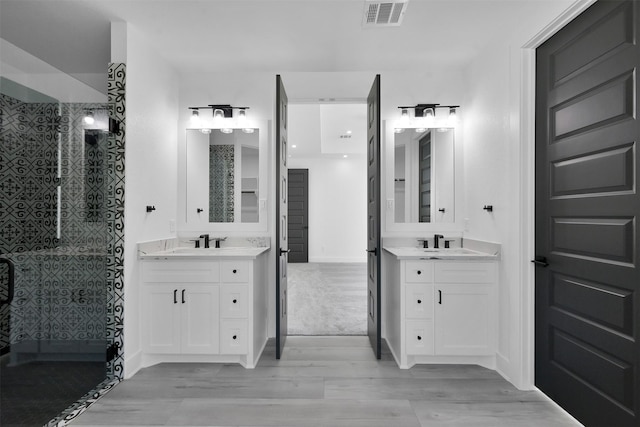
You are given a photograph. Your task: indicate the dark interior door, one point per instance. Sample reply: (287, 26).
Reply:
(299, 215)
(587, 244)
(374, 326)
(282, 248)
(424, 174)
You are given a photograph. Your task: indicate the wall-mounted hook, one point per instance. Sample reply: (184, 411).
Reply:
(488, 208)
(199, 210)
(150, 208)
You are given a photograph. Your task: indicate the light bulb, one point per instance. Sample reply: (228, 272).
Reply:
(398, 130)
(88, 118)
(226, 130)
(205, 131)
(248, 130)
(218, 114)
(420, 130)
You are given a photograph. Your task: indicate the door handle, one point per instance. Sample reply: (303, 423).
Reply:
(11, 274)
(284, 251)
(373, 251)
(541, 261)
(175, 296)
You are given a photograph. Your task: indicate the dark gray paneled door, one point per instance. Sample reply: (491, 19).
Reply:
(374, 325)
(282, 248)
(587, 242)
(424, 175)
(299, 215)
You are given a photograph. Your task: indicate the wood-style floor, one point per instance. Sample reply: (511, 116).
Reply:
(321, 381)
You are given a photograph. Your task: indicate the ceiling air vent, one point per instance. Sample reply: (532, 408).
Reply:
(383, 14)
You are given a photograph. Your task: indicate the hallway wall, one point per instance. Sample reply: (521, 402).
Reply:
(495, 169)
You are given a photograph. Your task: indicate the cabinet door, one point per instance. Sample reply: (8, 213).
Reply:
(161, 318)
(200, 319)
(463, 320)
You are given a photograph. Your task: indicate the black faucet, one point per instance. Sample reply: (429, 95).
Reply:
(206, 240)
(436, 238)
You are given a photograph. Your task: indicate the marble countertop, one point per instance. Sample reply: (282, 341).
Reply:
(461, 254)
(205, 253)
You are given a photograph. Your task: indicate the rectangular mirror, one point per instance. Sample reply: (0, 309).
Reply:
(424, 175)
(223, 175)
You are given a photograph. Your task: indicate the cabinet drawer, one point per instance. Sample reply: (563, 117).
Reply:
(465, 272)
(419, 301)
(233, 301)
(235, 271)
(233, 336)
(418, 272)
(180, 271)
(419, 337)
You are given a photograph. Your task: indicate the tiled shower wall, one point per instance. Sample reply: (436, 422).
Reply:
(221, 183)
(60, 294)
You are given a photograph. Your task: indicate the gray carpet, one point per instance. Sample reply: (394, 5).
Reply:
(327, 299)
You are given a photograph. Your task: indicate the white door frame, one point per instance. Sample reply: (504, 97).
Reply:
(527, 185)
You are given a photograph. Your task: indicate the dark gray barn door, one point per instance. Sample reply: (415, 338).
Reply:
(282, 248)
(374, 325)
(299, 215)
(587, 243)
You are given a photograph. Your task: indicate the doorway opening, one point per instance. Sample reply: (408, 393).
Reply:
(327, 285)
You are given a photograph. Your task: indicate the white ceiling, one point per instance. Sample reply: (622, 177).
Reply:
(263, 35)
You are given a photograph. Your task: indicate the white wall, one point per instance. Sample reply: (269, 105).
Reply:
(496, 172)
(337, 208)
(151, 169)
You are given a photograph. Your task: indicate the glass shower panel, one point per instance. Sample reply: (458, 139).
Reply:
(53, 241)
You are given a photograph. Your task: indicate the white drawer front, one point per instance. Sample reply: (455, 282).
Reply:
(419, 301)
(169, 271)
(235, 271)
(418, 272)
(465, 272)
(233, 336)
(233, 301)
(419, 337)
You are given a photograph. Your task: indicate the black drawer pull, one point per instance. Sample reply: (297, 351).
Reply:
(183, 296)
(235, 337)
(419, 338)
(235, 301)
(419, 301)
(439, 296)
(175, 296)
(419, 272)
(235, 271)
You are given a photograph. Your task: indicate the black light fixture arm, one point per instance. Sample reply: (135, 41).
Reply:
(419, 109)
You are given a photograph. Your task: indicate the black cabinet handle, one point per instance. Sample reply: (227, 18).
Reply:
(419, 272)
(235, 337)
(373, 251)
(541, 261)
(419, 338)
(235, 271)
(441, 210)
(175, 296)
(183, 296)
(235, 301)
(439, 296)
(419, 301)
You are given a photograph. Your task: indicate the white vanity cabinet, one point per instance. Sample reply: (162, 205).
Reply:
(209, 309)
(441, 311)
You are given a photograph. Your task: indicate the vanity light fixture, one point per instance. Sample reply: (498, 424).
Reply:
(195, 113)
(426, 113)
(88, 118)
